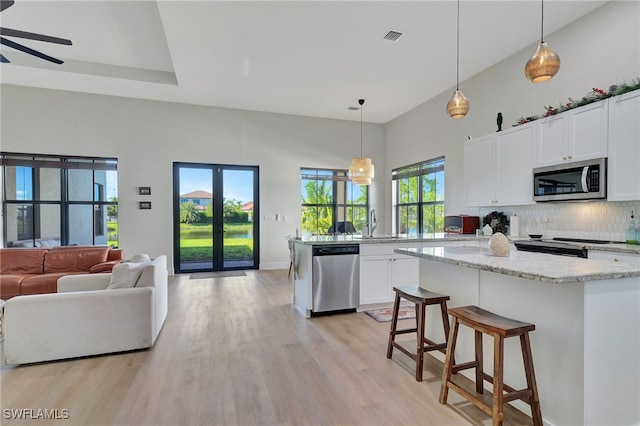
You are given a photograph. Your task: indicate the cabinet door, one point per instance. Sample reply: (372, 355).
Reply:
(405, 270)
(588, 138)
(479, 170)
(553, 138)
(624, 147)
(374, 279)
(514, 185)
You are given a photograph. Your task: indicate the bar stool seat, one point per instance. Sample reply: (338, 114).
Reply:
(421, 298)
(499, 327)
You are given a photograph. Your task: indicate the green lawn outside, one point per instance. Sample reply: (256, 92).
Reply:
(112, 234)
(195, 241)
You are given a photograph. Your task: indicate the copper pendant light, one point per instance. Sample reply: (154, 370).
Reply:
(544, 63)
(458, 105)
(361, 170)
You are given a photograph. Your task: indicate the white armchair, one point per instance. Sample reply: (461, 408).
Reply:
(85, 318)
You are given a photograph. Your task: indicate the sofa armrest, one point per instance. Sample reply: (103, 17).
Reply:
(104, 266)
(83, 282)
(43, 327)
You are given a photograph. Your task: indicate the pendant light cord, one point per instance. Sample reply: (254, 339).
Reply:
(458, 50)
(361, 102)
(542, 24)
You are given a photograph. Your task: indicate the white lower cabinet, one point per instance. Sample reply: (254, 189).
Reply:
(374, 282)
(381, 270)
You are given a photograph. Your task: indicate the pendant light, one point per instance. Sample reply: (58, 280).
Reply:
(361, 169)
(458, 105)
(544, 63)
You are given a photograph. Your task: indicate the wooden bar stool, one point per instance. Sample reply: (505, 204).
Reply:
(499, 327)
(422, 298)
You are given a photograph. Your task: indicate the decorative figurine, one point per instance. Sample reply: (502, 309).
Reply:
(499, 121)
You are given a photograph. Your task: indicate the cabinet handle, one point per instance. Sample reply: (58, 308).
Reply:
(570, 157)
(615, 259)
(564, 158)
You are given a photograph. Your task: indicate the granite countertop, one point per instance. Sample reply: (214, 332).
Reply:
(381, 238)
(441, 237)
(534, 266)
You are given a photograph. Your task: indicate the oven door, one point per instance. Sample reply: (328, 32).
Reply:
(584, 180)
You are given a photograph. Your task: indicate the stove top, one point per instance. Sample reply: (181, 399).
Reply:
(581, 240)
(552, 247)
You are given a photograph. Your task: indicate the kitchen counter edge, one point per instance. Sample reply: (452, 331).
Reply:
(534, 266)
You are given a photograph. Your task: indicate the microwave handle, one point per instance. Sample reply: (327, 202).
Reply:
(585, 170)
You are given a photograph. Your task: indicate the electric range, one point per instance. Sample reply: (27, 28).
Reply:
(560, 246)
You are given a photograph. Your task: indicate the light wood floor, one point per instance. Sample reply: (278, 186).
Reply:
(234, 352)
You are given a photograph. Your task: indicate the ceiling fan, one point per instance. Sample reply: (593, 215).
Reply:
(8, 32)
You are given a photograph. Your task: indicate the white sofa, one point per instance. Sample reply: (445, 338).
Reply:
(85, 318)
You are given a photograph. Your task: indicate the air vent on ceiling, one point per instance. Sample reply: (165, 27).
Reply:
(353, 108)
(393, 35)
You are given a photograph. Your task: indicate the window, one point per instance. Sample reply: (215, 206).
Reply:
(55, 200)
(418, 197)
(332, 203)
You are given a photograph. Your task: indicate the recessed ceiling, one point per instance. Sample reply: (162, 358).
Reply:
(293, 57)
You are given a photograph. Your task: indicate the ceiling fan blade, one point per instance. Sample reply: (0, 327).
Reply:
(4, 4)
(3, 59)
(25, 49)
(33, 36)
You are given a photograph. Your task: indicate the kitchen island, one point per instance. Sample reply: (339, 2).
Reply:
(586, 346)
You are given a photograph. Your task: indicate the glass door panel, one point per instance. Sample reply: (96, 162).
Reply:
(238, 218)
(195, 236)
(215, 217)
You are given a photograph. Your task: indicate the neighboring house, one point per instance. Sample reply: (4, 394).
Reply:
(200, 198)
(248, 207)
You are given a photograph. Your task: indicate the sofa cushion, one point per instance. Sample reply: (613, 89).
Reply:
(125, 275)
(74, 259)
(22, 260)
(43, 283)
(10, 285)
(140, 258)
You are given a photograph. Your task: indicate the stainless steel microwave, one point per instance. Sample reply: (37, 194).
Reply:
(582, 180)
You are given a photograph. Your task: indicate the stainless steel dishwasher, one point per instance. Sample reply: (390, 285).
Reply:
(336, 278)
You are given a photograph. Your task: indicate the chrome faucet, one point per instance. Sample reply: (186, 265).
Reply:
(373, 222)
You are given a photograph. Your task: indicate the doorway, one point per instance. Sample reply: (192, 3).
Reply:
(216, 217)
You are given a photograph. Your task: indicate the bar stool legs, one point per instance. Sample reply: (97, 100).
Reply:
(421, 298)
(482, 321)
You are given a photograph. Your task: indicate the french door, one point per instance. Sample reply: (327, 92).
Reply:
(216, 217)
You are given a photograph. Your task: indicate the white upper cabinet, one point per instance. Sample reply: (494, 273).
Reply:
(515, 150)
(480, 170)
(624, 147)
(574, 135)
(498, 168)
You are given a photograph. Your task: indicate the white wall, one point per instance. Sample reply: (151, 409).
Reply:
(148, 136)
(596, 51)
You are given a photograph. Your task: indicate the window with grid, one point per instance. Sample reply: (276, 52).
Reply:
(59, 200)
(418, 197)
(331, 203)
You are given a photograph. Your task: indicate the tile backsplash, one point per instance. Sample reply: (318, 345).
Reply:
(600, 220)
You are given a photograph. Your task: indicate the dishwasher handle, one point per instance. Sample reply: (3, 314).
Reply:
(336, 250)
